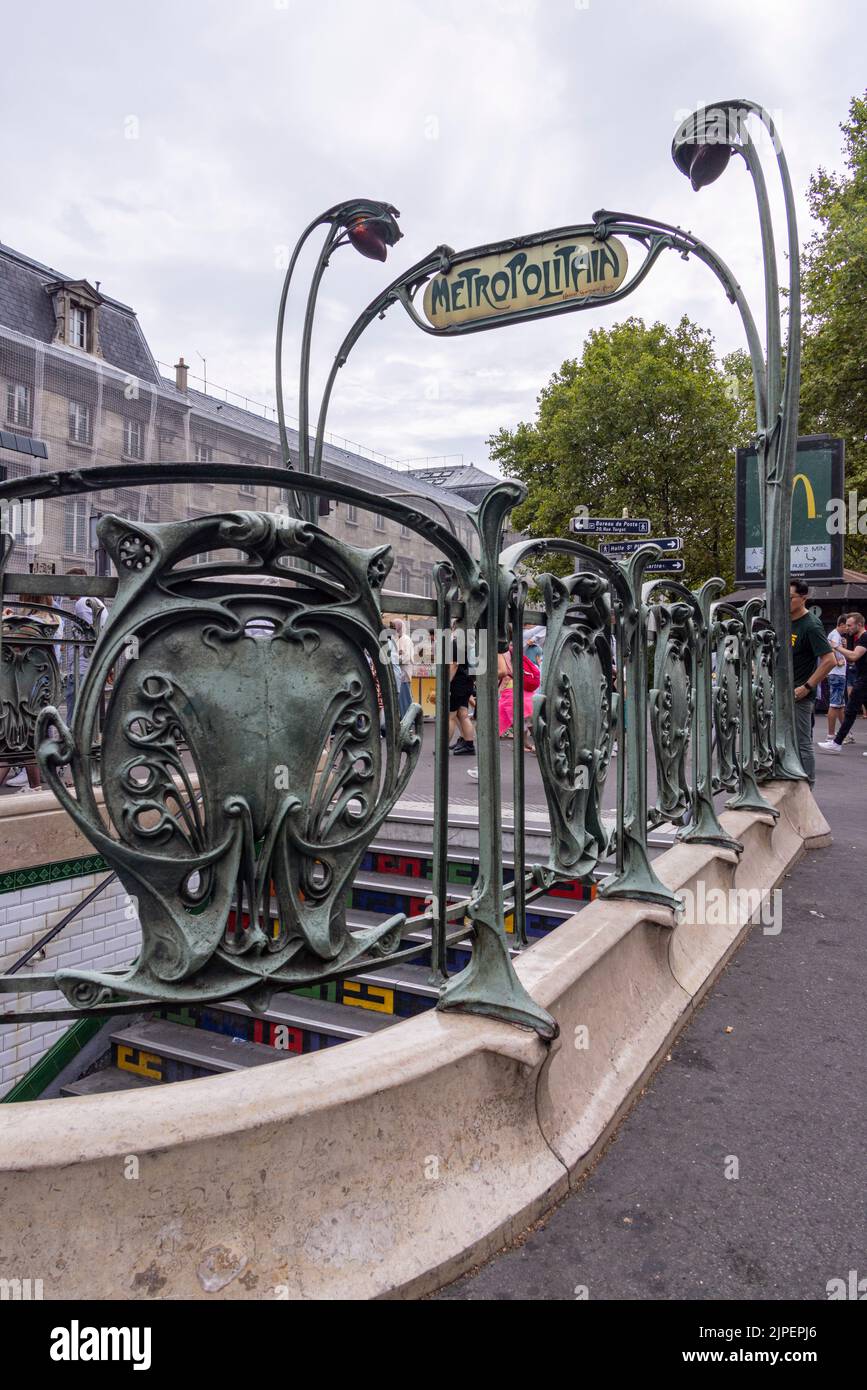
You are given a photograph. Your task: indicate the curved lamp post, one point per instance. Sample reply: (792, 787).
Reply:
(702, 149)
(371, 227)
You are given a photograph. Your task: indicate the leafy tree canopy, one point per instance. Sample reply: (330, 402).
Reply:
(646, 419)
(834, 266)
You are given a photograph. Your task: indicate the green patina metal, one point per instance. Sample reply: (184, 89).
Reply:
(273, 830)
(573, 720)
(701, 149)
(704, 827)
(240, 862)
(281, 817)
(733, 711)
(672, 702)
(29, 681)
(764, 661)
(489, 984)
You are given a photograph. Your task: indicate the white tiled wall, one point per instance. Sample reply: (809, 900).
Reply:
(103, 934)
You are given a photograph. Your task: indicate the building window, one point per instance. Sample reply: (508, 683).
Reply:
(245, 487)
(427, 585)
(14, 469)
(404, 531)
(133, 439)
(351, 514)
(78, 326)
(18, 404)
(80, 423)
(378, 522)
(75, 528)
(204, 453)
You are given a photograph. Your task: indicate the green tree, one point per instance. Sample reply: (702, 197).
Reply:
(647, 419)
(834, 265)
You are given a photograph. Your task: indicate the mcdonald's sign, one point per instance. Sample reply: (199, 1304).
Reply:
(817, 550)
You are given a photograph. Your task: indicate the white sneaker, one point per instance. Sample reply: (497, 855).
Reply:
(473, 774)
(829, 746)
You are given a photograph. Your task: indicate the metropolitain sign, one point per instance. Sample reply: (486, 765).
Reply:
(525, 281)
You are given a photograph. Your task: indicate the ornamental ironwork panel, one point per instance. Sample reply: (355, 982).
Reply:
(29, 680)
(764, 648)
(244, 770)
(573, 718)
(672, 701)
(728, 634)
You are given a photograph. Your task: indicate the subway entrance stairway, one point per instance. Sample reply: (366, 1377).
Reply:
(171, 1045)
(133, 1051)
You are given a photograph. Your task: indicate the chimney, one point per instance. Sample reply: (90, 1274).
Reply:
(181, 370)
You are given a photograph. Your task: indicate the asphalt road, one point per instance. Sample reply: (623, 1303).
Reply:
(783, 1093)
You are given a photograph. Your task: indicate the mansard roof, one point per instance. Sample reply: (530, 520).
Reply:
(25, 307)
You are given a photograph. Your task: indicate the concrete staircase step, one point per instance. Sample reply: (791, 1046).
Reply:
(200, 1040)
(109, 1079)
(339, 1022)
(159, 1050)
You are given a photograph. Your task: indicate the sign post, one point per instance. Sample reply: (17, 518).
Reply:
(484, 286)
(614, 548)
(672, 566)
(610, 526)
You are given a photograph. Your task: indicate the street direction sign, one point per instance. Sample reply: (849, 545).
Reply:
(627, 547)
(610, 525)
(673, 566)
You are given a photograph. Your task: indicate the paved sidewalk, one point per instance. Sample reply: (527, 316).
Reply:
(783, 1092)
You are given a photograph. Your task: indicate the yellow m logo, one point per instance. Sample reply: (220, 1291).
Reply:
(808, 491)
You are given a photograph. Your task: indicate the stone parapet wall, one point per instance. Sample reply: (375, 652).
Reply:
(385, 1167)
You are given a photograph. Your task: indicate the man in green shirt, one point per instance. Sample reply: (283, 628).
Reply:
(812, 659)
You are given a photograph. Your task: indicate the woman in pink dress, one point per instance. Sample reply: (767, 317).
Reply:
(506, 702)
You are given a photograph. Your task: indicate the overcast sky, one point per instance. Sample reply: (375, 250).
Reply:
(173, 151)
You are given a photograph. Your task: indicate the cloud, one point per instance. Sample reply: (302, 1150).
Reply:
(179, 150)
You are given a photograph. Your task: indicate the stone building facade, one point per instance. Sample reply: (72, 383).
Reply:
(80, 387)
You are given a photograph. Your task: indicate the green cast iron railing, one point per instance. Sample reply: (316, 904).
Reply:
(240, 884)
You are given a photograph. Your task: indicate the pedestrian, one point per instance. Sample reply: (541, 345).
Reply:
(92, 612)
(837, 677)
(857, 658)
(505, 677)
(534, 641)
(462, 689)
(812, 658)
(404, 664)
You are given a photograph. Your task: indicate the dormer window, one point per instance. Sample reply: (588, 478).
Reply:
(78, 332)
(76, 306)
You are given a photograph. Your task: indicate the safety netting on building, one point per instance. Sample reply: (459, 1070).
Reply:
(61, 409)
(62, 412)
